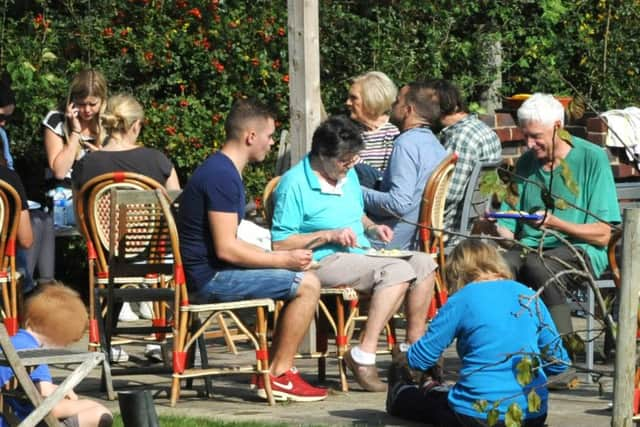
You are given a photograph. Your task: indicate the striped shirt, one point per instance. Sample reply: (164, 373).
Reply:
(378, 146)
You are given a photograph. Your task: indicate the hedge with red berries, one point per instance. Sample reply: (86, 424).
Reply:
(187, 59)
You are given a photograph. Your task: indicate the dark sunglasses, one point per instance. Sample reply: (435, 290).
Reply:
(5, 117)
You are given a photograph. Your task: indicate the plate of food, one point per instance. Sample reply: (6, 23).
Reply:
(515, 215)
(388, 253)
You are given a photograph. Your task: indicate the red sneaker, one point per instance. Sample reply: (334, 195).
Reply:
(291, 386)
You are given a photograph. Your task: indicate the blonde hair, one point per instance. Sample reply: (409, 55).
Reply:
(84, 84)
(58, 313)
(471, 260)
(121, 113)
(378, 92)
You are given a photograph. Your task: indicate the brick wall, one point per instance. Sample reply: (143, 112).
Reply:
(590, 127)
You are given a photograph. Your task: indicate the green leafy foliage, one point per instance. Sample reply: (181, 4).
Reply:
(513, 417)
(209, 52)
(493, 416)
(573, 343)
(533, 401)
(524, 371)
(491, 183)
(480, 405)
(568, 178)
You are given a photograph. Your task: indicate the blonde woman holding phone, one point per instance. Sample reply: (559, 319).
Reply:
(74, 130)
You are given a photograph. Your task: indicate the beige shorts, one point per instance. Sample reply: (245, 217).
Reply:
(366, 274)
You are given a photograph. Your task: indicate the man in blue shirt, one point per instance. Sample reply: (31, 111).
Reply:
(220, 267)
(416, 153)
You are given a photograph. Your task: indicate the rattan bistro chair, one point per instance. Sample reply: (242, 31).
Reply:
(193, 322)
(10, 208)
(93, 204)
(431, 221)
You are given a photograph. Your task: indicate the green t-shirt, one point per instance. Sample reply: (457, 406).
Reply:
(596, 192)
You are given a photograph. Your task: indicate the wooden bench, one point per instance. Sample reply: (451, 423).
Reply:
(628, 194)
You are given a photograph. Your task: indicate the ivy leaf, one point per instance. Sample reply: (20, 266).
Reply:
(576, 107)
(574, 343)
(524, 372)
(513, 417)
(480, 405)
(564, 135)
(488, 183)
(492, 417)
(533, 401)
(567, 176)
(561, 204)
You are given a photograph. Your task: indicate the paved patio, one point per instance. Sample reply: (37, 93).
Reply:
(232, 399)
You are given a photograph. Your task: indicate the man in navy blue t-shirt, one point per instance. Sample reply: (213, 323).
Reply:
(220, 267)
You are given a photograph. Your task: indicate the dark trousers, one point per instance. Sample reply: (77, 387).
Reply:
(368, 176)
(41, 254)
(432, 407)
(534, 271)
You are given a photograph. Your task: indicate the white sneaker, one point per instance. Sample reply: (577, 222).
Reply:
(118, 355)
(126, 314)
(146, 310)
(153, 352)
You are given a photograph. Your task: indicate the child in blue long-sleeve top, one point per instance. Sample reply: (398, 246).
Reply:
(497, 322)
(54, 317)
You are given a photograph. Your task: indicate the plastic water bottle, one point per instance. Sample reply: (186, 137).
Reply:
(70, 214)
(59, 208)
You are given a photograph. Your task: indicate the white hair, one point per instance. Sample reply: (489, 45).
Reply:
(542, 108)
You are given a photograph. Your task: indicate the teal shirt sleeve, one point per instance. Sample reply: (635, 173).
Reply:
(288, 213)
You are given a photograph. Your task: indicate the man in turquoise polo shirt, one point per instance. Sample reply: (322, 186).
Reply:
(319, 205)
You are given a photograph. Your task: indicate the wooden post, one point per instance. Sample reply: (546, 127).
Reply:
(304, 75)
(490, 99)
(627, 321)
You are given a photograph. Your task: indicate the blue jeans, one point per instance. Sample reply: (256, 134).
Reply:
(238, 285)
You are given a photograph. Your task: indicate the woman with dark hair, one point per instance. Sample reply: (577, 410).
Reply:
(319, 206)
(498, 324)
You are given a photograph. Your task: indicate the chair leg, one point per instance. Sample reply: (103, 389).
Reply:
(262, 356)
(179, 339)
(175, 390)
(322, 346)
(226, 334)
(107, 380)
(204, 362)
(341, 342)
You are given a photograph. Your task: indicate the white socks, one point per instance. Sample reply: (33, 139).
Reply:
(362, 357)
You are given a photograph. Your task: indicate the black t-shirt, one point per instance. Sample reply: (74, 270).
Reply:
(12, 178)
(145, 161)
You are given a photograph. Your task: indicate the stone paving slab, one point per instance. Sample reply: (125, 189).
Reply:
(232, 399)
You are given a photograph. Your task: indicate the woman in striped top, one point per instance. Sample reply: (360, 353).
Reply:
(369, 101)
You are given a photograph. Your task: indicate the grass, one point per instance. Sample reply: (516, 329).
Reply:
(177, 421)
